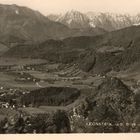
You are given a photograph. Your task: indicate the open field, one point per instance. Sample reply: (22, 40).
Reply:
(48, 75)
(26, 77)
(20, 61)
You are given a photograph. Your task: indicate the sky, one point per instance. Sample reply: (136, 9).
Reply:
(59, 6)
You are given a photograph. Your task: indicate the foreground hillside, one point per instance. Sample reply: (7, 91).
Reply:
(110, 107)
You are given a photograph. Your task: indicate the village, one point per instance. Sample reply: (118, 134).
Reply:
(17, 82)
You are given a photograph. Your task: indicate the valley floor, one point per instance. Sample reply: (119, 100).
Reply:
(24, 78)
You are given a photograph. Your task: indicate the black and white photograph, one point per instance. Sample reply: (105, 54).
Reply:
(69, 66)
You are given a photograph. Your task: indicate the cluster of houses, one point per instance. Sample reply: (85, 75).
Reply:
(10, 106)
(25, 77)
(5, 67)
(75, 117)
(4, 105)
(16, 67)
(72, 78)
(69, 78)
(8, 91)
(11, 103)
(7, 105)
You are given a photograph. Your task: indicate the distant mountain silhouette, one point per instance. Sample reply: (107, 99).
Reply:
(106, 21)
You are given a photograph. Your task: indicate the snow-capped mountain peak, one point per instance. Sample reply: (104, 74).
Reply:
(106, 21)
(73, 19)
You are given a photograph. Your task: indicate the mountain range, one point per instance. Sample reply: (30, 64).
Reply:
(86, 61)
(22, 23)
(114, 51)
(27, 33)
(19, 24)
(106, 21)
